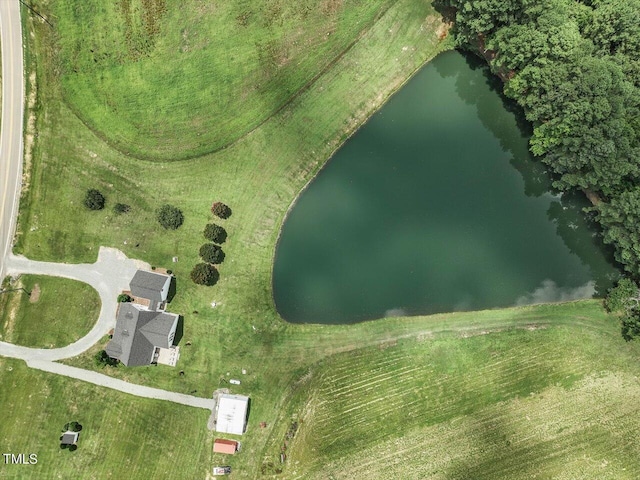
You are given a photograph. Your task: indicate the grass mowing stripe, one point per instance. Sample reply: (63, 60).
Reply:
(514, 439)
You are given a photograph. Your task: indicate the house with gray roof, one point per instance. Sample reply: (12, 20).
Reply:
(152, 286)
(143, 336)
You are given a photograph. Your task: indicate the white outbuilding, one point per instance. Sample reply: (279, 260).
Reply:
(232, 414)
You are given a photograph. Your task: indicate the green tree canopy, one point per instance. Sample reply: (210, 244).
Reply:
(170, 217)
(215, 233)
(204, 274)
(211, 253)
(94, 200)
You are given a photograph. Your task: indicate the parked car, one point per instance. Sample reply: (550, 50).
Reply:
(222, 470)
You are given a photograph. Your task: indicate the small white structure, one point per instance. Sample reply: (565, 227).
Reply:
(231, 416)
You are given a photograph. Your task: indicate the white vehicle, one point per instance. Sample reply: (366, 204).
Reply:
(222, 470)
(234, 381)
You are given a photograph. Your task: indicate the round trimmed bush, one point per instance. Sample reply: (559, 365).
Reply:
(124, 298)
(221, 210)
(170, 217)
(215, 233)
(94, 200)
(205, 274)
(120, 208)
(211, 253)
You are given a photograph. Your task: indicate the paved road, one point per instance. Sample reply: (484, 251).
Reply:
(109, 276)
(126, 387)
(11, 132)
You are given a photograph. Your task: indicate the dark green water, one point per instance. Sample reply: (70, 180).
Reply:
(435, 205)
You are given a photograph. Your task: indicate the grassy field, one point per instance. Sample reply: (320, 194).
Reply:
(586, 432)
(546, 401)
(57, 312)
(291, 369)
(120, 432)
(170, 80)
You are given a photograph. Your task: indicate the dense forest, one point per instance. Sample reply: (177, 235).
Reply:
(574, 68)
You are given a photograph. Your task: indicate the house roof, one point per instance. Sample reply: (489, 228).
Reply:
(149, 285)
(221, 445)
(138, 332)
(232, 414)
(69, 438)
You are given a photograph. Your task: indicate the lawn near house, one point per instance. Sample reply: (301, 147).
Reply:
(57, 312)
(122, 436)
(317, 376)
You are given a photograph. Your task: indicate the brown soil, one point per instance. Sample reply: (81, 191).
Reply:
(35, 294)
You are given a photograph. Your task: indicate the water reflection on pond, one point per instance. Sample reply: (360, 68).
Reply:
(435, 205)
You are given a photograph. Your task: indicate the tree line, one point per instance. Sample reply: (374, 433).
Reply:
(574, 68)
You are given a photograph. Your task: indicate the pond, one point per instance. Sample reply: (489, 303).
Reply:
(435, 205)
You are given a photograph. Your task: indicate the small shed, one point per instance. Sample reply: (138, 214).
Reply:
(228, 447)
(69, 438)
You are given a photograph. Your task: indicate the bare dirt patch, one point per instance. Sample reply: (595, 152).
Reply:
(330, 7)
(35, 293)
(443, 30)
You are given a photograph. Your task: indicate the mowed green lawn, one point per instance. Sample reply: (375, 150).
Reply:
(167, 79)
(291, 369)
(58, 312)
(122, 436)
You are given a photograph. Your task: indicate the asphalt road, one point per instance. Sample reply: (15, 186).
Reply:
(11, 126)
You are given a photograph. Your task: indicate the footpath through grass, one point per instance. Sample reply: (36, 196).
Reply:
(47, 312)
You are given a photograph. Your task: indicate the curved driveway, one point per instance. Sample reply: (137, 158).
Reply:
(110, 275)
(11, 133)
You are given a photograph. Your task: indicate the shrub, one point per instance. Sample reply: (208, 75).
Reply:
(120, 208)
(204, 274)
(75, 427)
(170, 217)
(623, 298)
(221, 210)
(94, 200)
(215, 233)
(102, 358)
(124, 298)
(211, 253)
